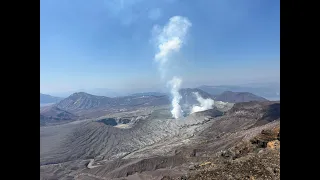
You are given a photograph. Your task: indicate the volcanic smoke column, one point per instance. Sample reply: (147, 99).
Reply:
(169, 39)
(175, 84)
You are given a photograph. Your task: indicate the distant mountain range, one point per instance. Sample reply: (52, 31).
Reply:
(83, 105)
(148, 94)
(235, 97)
(269, 91)
(97, 91)
(83, 101)
(45, 99)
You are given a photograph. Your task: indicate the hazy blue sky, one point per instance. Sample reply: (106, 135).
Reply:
(108, 43)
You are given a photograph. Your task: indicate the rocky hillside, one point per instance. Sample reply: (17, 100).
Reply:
(84, 101)
(235, 97)
(238, 144)
(254, 158)
(53, 115)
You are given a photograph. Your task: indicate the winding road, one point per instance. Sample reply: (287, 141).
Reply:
(90, 166)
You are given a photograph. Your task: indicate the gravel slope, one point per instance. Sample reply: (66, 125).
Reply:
(153, 147)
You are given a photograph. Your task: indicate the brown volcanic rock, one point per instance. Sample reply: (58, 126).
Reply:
(265, 165)
(249, 160)
(273, 144)
(267, 136)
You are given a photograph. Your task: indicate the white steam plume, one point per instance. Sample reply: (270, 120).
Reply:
(205, 104)
(169, 39)
(175, 84)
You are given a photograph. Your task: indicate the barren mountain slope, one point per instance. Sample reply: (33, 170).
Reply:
(156, 146)
(90, 106)
(96, 138)
(81, 100)
(52, 115)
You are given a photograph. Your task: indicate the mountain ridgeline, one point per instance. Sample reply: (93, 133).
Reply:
(82, 105)
(45, 98)
(81, 100)
(267, 90)
(235, 97)
(84, 101)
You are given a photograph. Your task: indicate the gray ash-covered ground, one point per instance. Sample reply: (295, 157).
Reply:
(240, 143)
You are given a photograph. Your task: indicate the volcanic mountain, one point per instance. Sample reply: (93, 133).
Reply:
(267, 90)
(239, 143)
(234, 97)
(54, 115)
(82, 100)
(92, 106)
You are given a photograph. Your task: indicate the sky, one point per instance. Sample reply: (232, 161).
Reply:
(110, 43)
